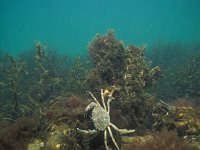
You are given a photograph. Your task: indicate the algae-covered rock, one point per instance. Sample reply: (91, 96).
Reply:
(140, 139)
(59, 137)
(158, 141)
(188, 121)
(36, 144)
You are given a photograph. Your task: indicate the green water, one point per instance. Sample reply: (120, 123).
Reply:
(68, 25)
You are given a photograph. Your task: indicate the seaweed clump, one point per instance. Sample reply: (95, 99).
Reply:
(125, 72)
(15, 135)
(116, 65)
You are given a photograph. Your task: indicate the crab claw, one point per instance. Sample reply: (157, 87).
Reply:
(90, 106)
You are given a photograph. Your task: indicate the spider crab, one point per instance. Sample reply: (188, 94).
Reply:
(101, 118)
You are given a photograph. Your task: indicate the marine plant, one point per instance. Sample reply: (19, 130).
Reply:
(15, 135)
(47, 75)
(180, 66)
(116, 65)
(75, 79)
(12, 73)
(41, 72)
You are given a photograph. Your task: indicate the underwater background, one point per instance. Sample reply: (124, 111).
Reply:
(99, 75)
(68, 25)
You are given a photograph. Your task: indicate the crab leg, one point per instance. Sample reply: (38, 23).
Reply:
(103, 100)
(111, 135)
(121, 131)
(94, 98)
(110, 98)
(90, 132)
(105, 139)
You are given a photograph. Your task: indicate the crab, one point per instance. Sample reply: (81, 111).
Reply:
(101, 118)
